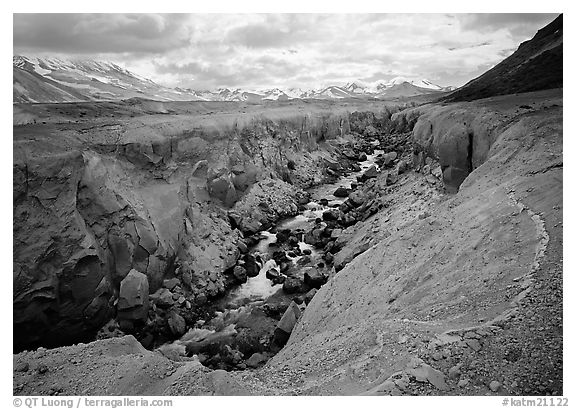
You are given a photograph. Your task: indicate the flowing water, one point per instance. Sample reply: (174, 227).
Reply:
(260, 287)
(239, 301)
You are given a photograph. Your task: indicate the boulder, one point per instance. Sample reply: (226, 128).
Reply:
(242, 247)
(274, 275)
(171, 283)
(251, 265)
(163, 298)
(331, 215)
(133, 299)
(291, 285)
(282, 236)
(286, 324)
(256, 359)
(356, 198)
(177, 324)
(314, 278)
(341, 192)
(402, 167)
(425, 373)
(370, 173)
(389, 158)
(304, 260)
(309, 295)
(391, 177)
(223, 188)
(240, 274)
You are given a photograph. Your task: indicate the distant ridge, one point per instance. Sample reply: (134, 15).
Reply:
(52, 80)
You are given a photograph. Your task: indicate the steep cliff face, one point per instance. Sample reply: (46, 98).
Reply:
(459, 139)
(94, 200)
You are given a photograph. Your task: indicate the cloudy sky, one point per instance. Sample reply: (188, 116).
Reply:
(206, 51)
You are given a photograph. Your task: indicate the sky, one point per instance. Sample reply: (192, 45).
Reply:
(257, 51)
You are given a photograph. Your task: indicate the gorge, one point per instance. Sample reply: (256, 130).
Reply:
(409, 246)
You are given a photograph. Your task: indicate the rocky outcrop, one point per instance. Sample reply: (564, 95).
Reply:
(458, 138)
(133, 299)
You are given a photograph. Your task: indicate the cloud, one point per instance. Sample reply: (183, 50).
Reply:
(275, 50)
(100, 33)
(518, 24)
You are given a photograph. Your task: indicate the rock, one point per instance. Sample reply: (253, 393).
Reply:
(314, 278)
(286, 324)
(133, 297)
(389, 158)
(222, 188)
(256, 359)
(240, 274)
(282, 236)
(424, 372)
(328, 257)
(163, 298)
(495, 386)
(402, 167)
(474, 344)
(462, 383)
(42, 369)
(307, 252)
(356, 198)
(177, 324)
(341, 192)
(454, 372)
(22, 367)
(242, 247)
(391, 177)
(251, 265)
(171, 283)
(370, 173)
(273, 273)
(291, 285)
(304, 260)
(309, 295)
(331, 215)
(362, 157)
(424, 215)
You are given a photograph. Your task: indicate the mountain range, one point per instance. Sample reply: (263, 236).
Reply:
(46, 80)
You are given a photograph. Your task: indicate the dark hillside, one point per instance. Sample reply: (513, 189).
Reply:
(536, 65)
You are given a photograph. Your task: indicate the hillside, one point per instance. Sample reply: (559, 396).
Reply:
(535, 65)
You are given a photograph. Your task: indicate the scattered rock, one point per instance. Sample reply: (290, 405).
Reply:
(495, 386)
(163, 298)
(286, 324)
(22, 367)
(177, 324)
(291, 285)
(133, 297)
(256, 359)
(425, 373)
(309, 295)
(314, 278)
(240, 274)
(341, 192)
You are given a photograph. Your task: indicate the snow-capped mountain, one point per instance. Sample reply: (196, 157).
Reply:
(56, 80)
(382, 88)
